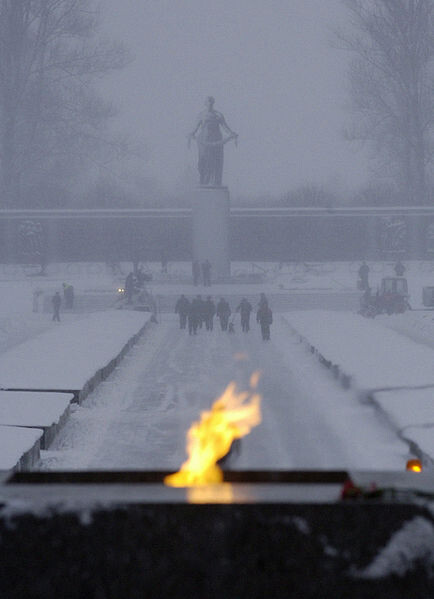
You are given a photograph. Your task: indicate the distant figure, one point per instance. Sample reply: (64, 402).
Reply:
(363, 276)
(182, 308)
(262, 300)
(68, 296)
(223, 313)
(245, 309)
(201, 311)
(210, 311)
(56, 301)
(265, 318)
(195, 315)
(129, 287)
(231, 327)
(399, 269)
(206, 273)
(196, 272)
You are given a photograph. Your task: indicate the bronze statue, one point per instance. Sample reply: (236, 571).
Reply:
(210, 144)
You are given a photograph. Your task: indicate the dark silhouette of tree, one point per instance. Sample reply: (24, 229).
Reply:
(391, 84)
(51, 120)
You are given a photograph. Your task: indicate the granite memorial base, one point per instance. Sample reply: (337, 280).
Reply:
(111, 541)
(211, 229)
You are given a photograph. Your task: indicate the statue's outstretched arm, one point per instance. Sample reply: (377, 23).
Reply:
(193, 133)
(226, 126)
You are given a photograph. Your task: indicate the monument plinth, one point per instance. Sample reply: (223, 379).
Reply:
(211, 201)
(211, 229)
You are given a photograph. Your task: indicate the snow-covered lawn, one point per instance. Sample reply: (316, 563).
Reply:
(39, 410)
(14, 443)
(387, 365)
(69, 354)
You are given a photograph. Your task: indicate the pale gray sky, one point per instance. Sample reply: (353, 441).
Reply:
(272, 70)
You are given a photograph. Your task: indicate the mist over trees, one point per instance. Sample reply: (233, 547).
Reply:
(392, 89)
(53, 125)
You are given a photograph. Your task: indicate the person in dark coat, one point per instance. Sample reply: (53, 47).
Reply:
(265, 317)
(195, 267)
(182, 308)
(56, 301)
(399, 269)
(210, 311)
(195, 315)
(206, 273)
(129, 287)
(245, 309)
(223, 313)
(364, 276)
(262, 300)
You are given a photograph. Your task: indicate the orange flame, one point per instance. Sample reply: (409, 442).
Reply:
(231, 417)
(414, 465)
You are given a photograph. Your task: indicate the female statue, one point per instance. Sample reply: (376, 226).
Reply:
(210, 144)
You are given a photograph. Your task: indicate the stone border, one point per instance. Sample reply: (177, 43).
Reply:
(103, 373)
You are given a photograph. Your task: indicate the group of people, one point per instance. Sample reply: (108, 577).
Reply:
(363, 272)
(198, 312)
(201, 273)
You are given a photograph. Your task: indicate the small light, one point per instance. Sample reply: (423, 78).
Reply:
(414, 466)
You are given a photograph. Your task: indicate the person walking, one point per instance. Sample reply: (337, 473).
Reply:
(195, 315)
(56, 301)
(182, 308)
(264, 317)
(206, 273)
(245, 309)
(195, 267)
(223, 313)
(210, 311)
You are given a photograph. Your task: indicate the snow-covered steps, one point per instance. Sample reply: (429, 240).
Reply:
(19, 447)
(46, 411)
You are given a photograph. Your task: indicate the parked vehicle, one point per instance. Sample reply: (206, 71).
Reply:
(391, 298)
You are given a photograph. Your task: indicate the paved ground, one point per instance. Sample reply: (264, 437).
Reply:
(139, 417)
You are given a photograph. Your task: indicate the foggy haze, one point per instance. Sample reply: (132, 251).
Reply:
(274, 74)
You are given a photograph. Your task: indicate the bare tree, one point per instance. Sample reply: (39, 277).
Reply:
(391, 83)
(51, 119)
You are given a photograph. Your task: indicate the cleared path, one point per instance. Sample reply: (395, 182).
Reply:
(138, 419)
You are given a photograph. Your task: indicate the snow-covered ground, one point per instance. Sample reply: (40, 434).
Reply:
(390, 367)
(139, 417)
(67, 356)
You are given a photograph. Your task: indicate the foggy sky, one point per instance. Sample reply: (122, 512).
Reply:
(274, 75)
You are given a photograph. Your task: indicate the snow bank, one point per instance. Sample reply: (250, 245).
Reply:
(387, 366)
(374, 356)
(15, 443)
(39, 410)
(409, 547)
(68, 355)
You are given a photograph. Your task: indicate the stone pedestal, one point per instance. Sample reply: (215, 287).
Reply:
(211, 229)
